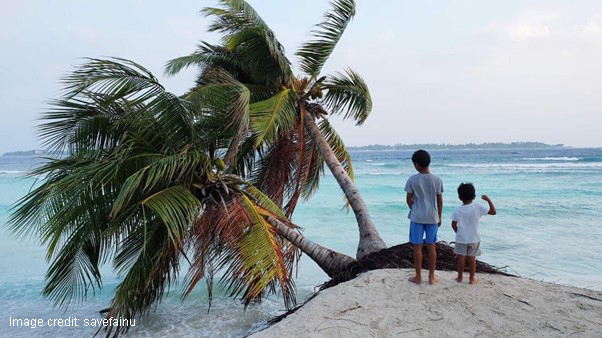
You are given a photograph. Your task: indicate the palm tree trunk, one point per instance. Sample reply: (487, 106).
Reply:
(370, 241)
(330, 261)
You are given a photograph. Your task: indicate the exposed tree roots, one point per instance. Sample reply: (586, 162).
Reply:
(402, 256)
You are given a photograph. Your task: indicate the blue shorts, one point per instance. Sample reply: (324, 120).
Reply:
(419, 231)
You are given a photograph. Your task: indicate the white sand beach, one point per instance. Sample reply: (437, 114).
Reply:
(382, 303)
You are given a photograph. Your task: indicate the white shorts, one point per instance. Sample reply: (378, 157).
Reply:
(468, 249)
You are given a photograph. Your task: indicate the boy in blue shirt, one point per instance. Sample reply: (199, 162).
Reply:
(426, 204)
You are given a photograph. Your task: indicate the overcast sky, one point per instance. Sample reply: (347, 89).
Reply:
(438, 71)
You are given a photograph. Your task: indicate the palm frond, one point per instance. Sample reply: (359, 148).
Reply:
(273, 116)
(115, 77)
(159, 170)
(238, 240)
(234, 15)
(149, 263)
(245, 28)
(302, 167)
(274, 171)
(109, 101)
(205, 55)
(264, 201)
(262, 262)
(75, 269)
(250, 49)
(222, 97)
(314, 53)
(316, 170)
(176, 207)
(348, 94)
(263, 55)
(68, 212)
(85, 122)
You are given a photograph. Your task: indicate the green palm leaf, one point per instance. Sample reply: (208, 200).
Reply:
(149, 263)
(348, 94)
(114, 77)
(314, 54)
(205, 55)
(264, 201)
(244, 25)
(273, 116)
(176, 207)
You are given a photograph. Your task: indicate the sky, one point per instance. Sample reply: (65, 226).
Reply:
(454, 71)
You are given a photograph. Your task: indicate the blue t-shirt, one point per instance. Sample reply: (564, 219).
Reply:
(424, 189)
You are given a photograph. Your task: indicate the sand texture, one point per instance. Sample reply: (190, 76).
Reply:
(382, 303)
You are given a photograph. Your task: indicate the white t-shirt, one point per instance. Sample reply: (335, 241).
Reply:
(467, 216)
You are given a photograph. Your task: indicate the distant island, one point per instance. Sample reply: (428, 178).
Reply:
(399, 146)
(25, 153)
(488, 145)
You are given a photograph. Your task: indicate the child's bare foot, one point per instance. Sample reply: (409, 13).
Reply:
(459, 279)
(432, 280)
(474, 281)
(416, 280)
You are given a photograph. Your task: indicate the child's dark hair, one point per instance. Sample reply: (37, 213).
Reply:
(422, 158)
(466, 192)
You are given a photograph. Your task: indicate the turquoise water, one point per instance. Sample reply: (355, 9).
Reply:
(548, 228)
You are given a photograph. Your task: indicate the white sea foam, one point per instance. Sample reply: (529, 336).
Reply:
(380, 173)
(527, 165)
(379, 164)
(554, 158)
(12, 172)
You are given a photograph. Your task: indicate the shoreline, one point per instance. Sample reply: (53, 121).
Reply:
(383, 303)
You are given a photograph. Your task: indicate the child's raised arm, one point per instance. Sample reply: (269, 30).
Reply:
(492, 210)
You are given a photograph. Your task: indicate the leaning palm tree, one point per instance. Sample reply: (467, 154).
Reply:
(270, 116)
(140, 187)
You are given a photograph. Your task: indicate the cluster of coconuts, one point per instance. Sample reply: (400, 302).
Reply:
(316, 92)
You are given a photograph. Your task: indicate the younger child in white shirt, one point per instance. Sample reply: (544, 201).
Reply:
(465, 222)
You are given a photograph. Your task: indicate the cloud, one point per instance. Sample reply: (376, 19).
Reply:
(85, 32)
(593, 28)
(540, 69)
(14, 6)
(531, 24)
(546, 25)
(528, 24)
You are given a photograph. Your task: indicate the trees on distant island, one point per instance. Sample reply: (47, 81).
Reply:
(24, 153)
(487, 145)
(398, 146)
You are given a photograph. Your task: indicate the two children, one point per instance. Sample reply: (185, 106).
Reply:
(424, 197)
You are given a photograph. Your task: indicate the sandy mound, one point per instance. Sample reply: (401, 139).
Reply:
(382, 303)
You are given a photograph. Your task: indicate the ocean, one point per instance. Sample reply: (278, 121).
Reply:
(548, 227)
